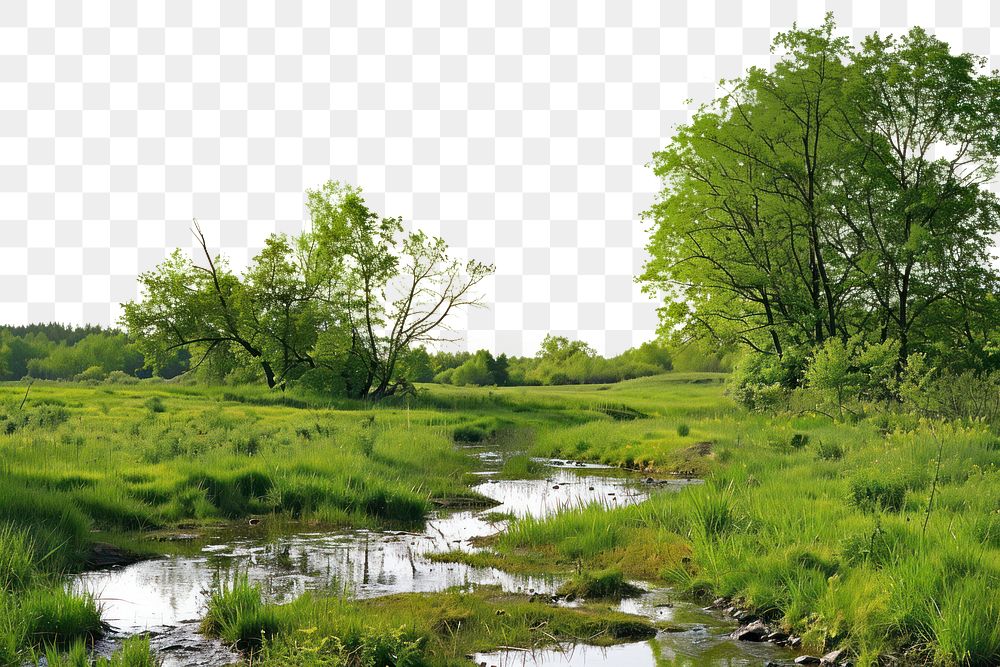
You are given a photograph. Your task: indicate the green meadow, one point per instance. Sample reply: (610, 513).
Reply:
(850, 534)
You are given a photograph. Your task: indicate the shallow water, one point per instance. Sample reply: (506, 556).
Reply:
(165, 597)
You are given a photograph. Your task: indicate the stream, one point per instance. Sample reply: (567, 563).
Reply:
(165, 597)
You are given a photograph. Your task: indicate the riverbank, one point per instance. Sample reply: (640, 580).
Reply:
(825, 530)
(815, 527)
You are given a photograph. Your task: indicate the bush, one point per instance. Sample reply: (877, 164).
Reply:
(120, 377)
(683, 430)
(829, 451)
(90, 374)
(155, 404)
(871, 493)
(799, 440)
(48, 415)
(761, 382)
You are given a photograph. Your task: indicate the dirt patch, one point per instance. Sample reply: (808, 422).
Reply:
(698, 449)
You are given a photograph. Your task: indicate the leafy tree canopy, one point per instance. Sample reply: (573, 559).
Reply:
(839, 195)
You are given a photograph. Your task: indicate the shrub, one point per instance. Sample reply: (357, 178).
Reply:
(799, 440)
(120, 377)
(871, 492)
(48, 415)
(683, 430)
(155, 404)
(90, 374)
(761, 382)
(829, 451)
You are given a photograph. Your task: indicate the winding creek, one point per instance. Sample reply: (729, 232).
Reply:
(165, 597)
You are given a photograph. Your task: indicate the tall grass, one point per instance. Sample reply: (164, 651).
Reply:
(237, 614)
(133, 652)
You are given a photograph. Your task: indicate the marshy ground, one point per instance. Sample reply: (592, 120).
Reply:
(428, 531)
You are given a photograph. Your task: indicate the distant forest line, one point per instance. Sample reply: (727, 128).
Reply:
(53, 351)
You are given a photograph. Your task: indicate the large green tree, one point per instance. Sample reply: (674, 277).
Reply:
(838, 194)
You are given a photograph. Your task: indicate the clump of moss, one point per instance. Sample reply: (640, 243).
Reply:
(603, 584)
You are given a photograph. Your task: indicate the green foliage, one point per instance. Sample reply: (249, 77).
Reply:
(560, 361)
(853, 370)
(878, 226)
(155, 405)
(829, 451)
(347, 303)
(62, 353)
(760, 382)
(874, 492)
(683, 430)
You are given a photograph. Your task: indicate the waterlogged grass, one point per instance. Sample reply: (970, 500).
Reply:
(121, 461)
(817, 526)
(134, 652)
(521, 466)
(603, 584)
(237, 614)
(200, 456)
(409, 629)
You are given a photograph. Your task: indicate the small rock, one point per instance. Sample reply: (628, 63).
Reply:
(253, 522)
(795, 642)
(777, 636)
(590, 488)
(832, 657)
(718, 602)
(650, 480)
(753, 632)
(556, 486)
(807, 660)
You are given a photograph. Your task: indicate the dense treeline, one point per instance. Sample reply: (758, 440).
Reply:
(831, 216)
(562, 361)
(59, 352)
(92, 353)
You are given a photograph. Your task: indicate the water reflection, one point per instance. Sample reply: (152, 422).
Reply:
(166, 597)
(360, 563)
